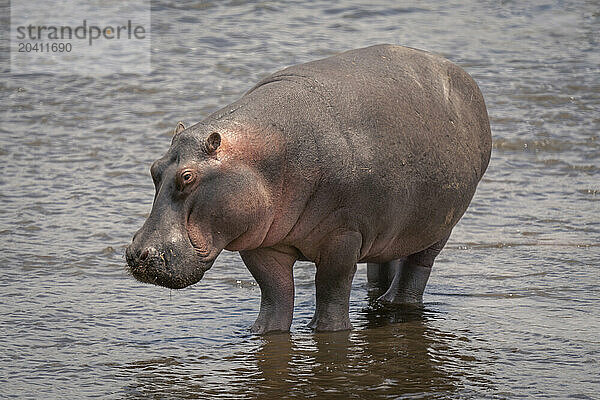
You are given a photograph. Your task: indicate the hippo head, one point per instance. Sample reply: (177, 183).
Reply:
(205, 201)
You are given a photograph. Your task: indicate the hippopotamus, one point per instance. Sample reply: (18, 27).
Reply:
(368, 156)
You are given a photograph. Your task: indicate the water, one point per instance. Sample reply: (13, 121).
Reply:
(511, 310)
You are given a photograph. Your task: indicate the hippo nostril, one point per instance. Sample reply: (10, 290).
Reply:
(144, 255)
(130, 255)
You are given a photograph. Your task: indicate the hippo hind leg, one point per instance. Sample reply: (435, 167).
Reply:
(381, 275)
(410, 275)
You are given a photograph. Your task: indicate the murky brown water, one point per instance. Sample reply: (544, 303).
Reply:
(512, 307)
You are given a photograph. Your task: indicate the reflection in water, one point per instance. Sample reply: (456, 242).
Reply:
(275, 360)
(394, 353)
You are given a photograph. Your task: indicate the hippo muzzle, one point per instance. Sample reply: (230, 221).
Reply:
(163, 268)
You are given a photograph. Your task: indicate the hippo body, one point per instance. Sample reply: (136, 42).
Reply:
(371, 155)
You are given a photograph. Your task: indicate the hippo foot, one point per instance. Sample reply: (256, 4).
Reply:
(271, 322)
(261, 327)
(390, 297)
(331, 325)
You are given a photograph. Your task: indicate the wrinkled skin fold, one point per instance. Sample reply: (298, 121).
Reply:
(372, 155)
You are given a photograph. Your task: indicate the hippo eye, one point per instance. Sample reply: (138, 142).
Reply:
(187, 177)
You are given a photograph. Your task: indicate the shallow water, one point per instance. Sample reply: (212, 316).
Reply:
(511, 310)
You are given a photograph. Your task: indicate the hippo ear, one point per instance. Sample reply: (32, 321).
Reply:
(180, 127)
(212, 142)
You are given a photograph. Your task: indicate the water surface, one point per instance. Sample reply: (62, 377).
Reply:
(511, 310)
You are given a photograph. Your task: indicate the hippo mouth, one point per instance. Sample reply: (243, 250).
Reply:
(161, 270)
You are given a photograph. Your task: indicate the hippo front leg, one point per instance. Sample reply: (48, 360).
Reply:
(335, 270)
(273, 271)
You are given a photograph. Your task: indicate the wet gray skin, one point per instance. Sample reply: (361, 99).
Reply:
(372, 155)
